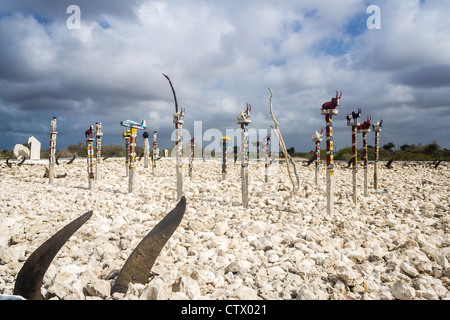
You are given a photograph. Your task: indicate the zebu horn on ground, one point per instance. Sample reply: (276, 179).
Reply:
(173, 92)
(30, 277)
(71, 160)
(137, 268)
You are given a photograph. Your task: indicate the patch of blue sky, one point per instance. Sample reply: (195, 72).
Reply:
(272, 42)
(310, 13)
(338, 45)
(5, 14)
(289, 27)
(43, 20)
(292, 26)
(104, 24)
(331, 46)
(357, 25)
(217, 85)
(278, 63)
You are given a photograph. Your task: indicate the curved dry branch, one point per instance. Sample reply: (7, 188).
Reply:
(283, 146)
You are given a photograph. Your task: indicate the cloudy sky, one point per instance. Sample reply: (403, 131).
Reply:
(107, 67)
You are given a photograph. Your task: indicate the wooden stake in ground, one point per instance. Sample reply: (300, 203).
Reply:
(354, 161)
(353, 123)
(283, 148)
(266, 142)
(244, 121)
(364, 128)
(225, 144)
(90, 156)
(329, 110)
(179, 154)
(155, 152)
(330, 159)
(133, 125)
(98, 147)
(146, 148)
(126, 134)
(377, 129)
(191, 158)
(317, 138)
(52, 151)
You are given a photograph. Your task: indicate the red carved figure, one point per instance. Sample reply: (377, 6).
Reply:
(89, 133)
(333, 103)
(366, 124)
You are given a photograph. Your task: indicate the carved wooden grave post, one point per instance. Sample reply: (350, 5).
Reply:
(132, 149)
(126, 134)
(365, 162)
(155, 152)
(146, 148)
(98, 135)
(179, 152)
(317, 138)
(364, 128)
(377, 129)
(90, 156)
(191, 158)
(52, 150)
(244, 121)
(354, 125)
(225, 144)
(266, 164)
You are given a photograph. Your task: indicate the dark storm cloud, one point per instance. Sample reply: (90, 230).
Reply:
(50, 10)
(428, 76)
(219, 56)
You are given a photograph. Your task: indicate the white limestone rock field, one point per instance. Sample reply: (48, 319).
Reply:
(393, 245)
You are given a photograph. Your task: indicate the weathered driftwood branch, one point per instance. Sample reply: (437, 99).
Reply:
(277, 132)
(283, 146)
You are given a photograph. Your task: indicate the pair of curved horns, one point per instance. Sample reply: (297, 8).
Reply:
(19, 164)
(137, 268)
(173, 92)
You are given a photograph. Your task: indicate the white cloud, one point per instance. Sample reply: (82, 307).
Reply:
(220, 55)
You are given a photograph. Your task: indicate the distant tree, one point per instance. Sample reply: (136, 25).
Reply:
(432, 148)
(407, 147)
(257, 144)
(116, 150)
(291, 151)
(79, 149)
(389, 146)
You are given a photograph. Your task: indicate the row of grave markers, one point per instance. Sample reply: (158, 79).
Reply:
(363, 128)
(243, 119)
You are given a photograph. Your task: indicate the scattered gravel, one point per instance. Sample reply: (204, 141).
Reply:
(393, 245)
